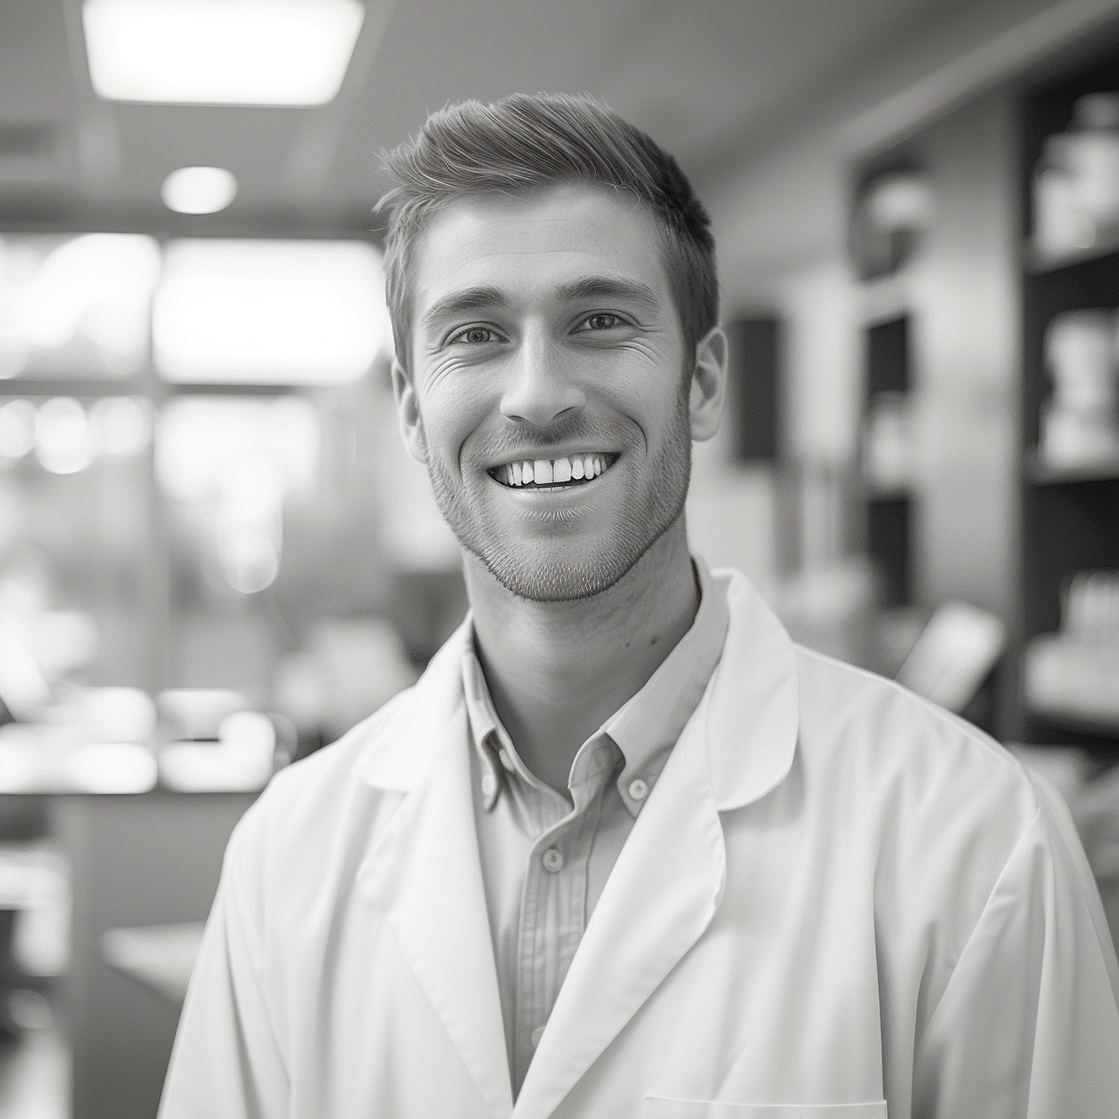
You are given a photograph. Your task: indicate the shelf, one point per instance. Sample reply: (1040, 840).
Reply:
(1041, 473)
(887, 493)
(885, 298)
(1062, 720)
(1039, 263)
(1068, 510)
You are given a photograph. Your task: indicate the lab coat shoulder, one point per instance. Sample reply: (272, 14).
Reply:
(292, 920)
(313, 815)
(283, 881)
(868, 767)
(942, 805)
(298, 848)
(990, 937)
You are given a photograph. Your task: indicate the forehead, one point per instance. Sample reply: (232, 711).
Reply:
(532, 244)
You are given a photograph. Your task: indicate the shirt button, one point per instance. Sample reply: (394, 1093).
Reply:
(489, 785)
(638, 789)
(537, 1034)
(553, 860)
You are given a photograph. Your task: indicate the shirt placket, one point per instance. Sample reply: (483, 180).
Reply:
(553, 913)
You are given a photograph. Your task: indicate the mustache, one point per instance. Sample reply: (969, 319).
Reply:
(515, 435)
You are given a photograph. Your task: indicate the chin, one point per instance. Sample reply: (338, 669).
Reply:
(542, 578)
(555, 581)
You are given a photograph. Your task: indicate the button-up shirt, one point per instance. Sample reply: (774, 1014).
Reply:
(546, 857)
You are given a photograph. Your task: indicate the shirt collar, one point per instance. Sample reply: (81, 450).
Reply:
(648, 724)
(486, 731)
(644, 728)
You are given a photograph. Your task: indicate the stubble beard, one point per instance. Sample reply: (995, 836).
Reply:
(649, 511)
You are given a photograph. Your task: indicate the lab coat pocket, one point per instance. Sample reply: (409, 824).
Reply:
(658, 1107)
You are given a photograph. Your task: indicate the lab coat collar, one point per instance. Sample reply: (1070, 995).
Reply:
(749, 712)
(425, 870)
(415, 729)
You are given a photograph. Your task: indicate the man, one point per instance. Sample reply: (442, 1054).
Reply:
(625, 850)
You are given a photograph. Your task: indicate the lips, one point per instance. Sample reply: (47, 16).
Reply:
(570, 470)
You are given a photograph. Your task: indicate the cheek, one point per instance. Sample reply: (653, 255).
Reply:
(450, 411)
(649, 365)
(653, 396)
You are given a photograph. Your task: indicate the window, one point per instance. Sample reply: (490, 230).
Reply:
(201, 477)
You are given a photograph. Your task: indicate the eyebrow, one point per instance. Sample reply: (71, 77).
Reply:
(469, 299)
(607, 287)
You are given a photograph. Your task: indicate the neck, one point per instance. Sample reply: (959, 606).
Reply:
(558, 670)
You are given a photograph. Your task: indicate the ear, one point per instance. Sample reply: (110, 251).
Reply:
(708, 385)
(408, 412)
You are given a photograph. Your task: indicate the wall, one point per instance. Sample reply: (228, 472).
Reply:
(778, 202)
(961, 291)
(966, 328)
(817, 306)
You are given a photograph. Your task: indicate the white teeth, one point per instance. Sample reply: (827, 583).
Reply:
(545, 472)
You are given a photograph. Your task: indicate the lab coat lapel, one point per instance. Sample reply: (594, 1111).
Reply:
(426, 874)
(661, 895)
(668, 881)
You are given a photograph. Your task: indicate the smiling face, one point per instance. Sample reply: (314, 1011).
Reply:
(549, 392)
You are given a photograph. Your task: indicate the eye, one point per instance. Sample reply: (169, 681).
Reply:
(476, 336)
(601, 320)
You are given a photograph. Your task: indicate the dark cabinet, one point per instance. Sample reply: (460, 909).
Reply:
(1069, 501)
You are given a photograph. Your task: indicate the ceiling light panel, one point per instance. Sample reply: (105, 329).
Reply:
(271, 312)
(220, 52)
(199, 190)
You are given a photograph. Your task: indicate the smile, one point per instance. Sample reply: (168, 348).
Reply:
(567, 471)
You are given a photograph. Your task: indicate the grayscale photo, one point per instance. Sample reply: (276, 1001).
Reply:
(559, 561)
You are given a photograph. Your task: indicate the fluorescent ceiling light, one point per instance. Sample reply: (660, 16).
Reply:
(76, 306)
(276, 312)
(220, 52)
(199, 190)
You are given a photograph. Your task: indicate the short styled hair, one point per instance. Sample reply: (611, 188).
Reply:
(525, 141)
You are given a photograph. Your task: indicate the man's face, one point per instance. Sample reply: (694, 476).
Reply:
(549, 394)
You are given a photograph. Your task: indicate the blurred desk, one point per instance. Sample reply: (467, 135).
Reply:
(140, 860)
(160, 957)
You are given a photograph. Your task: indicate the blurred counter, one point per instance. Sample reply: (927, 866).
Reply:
(136, 860)
(63, 754)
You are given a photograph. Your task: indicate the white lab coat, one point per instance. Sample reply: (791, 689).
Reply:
(837, 902)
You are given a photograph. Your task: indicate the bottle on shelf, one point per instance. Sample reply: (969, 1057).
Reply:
(1059, 223)
(1076, 181)
(1080, 421)
(1073, 673)
(888, 442)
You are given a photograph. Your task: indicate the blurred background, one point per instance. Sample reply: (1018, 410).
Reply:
(215, 556)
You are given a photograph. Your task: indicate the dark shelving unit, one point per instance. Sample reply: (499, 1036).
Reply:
(889, 510)
(754, 359)
(1069, 516)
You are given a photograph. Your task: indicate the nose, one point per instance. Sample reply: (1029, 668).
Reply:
(541, 386)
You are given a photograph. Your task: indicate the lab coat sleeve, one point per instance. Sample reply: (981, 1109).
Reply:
(227, 1062)
(1027, 1026)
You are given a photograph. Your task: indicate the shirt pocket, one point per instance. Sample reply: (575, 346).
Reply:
(658, 1107)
